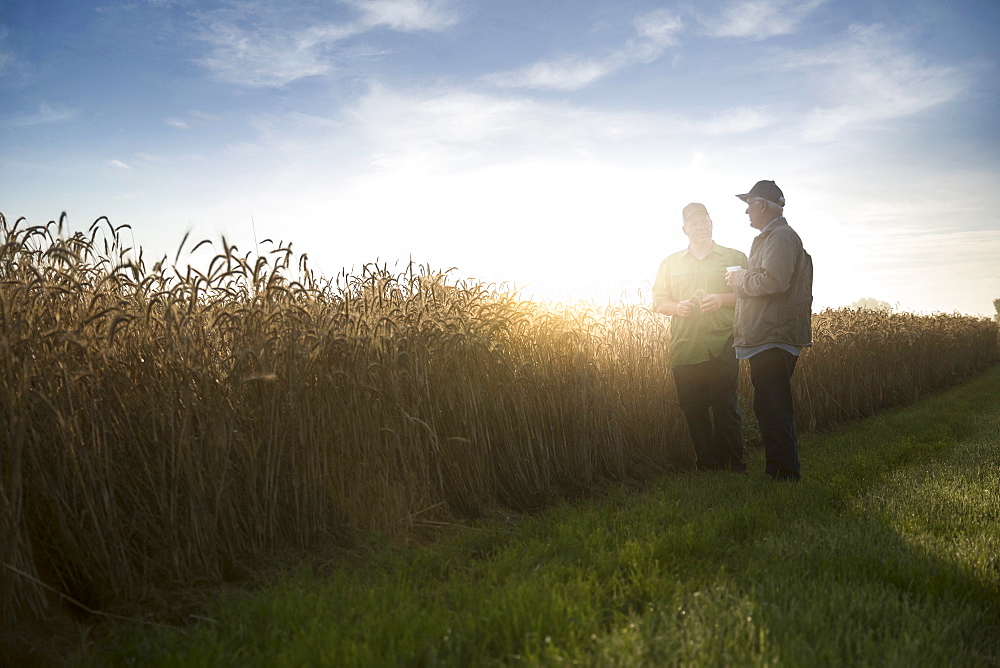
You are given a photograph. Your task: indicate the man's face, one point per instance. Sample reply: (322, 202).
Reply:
(698, 227)
(758, 212)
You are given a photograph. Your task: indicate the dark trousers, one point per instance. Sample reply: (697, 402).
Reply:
(707, 396)
(771, 374)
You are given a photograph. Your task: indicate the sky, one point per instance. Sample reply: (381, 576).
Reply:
(545, 146)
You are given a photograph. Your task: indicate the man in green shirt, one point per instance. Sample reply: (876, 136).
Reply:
(690, 287)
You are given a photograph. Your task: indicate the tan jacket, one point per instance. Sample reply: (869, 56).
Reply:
(774, 300)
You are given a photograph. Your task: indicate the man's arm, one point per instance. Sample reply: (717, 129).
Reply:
(777, 265)
(663, 299)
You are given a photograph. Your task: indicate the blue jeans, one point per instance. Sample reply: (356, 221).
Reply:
(706, 393)
(771, 374)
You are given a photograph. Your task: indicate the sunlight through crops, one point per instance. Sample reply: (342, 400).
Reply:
(161, 423)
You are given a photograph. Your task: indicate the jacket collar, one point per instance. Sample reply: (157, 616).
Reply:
(770, 227)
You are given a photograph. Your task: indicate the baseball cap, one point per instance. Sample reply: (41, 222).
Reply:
(768, 190)
(693, 208)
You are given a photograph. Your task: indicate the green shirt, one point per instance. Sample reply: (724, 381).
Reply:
(701, 336)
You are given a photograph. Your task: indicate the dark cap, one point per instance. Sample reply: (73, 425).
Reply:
(693, 208)
(768, 190)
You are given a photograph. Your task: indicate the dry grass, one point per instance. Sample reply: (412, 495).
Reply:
(160, 424)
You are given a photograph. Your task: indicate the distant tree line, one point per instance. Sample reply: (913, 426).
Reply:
(871, 304)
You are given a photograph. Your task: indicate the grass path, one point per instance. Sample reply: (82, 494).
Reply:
(887, 554)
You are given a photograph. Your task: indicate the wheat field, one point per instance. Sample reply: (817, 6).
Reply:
(161, 423)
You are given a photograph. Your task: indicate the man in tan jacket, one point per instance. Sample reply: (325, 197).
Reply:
(773, 322)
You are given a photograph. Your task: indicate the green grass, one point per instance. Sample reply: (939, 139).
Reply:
(887, 554)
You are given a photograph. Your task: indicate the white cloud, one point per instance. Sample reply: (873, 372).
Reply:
(204, 115)
(44, 115)
(871, 77)
(660, 27)
(177, 123)
(760, 19)
(407, 15)
(261, 54)
(570, 73)
(444, 129)
(450, 126)
(149, 158)
(733, 121)
(655, 32)
(264, 44)
(118, 164)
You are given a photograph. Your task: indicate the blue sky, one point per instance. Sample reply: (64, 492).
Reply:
(547, 145)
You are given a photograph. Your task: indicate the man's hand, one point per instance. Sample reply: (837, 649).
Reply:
(735, 278)
(685, 308)
(711, 302)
